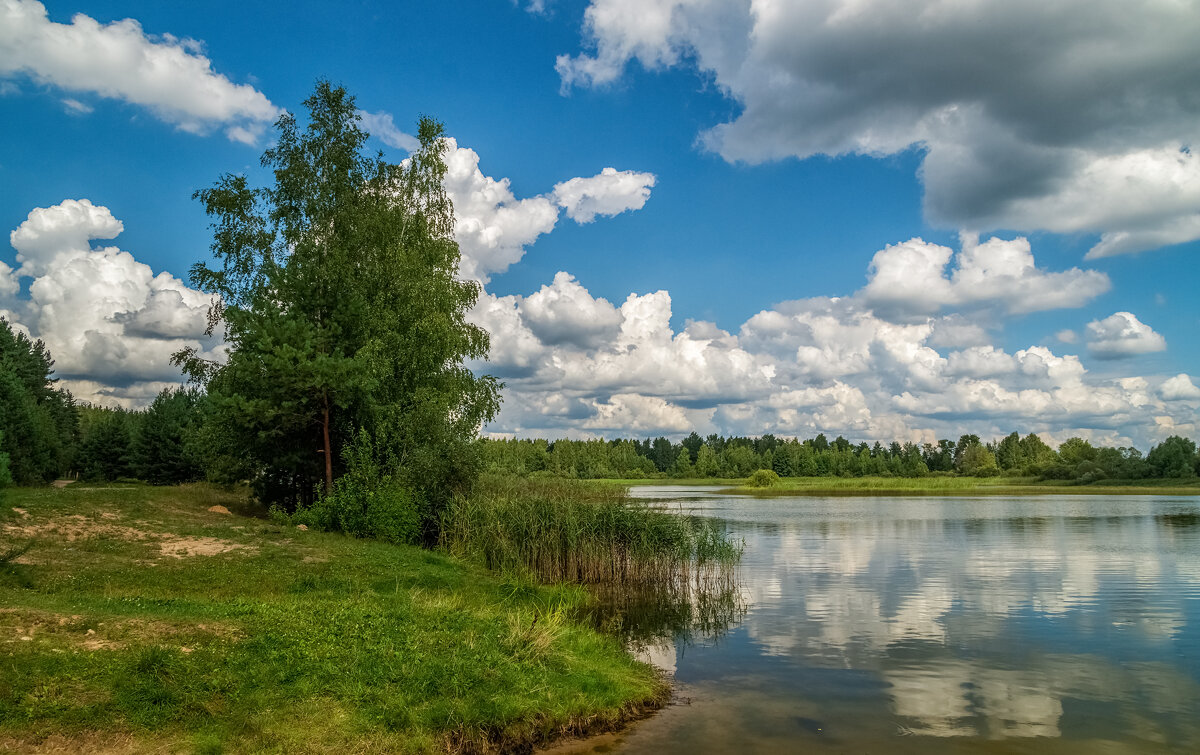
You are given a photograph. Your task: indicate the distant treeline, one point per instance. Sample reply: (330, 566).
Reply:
(718, 456)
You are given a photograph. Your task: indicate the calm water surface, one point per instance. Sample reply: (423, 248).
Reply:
(926, 625)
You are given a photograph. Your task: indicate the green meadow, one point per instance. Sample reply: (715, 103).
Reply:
(139, 620)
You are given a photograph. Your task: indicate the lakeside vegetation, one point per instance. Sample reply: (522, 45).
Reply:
(567, 531)
(140, 620)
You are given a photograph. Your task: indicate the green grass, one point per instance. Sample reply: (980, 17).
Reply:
(565, 530)
(930, 485)
(279, 640)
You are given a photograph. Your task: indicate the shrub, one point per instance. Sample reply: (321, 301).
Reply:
(763, 478)
(366, 503)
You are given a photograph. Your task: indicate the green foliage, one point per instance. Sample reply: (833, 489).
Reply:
(706, 462)
(165, 449)
(1174, 457)
(366, 502)
(1073, 451)
(37, 420)
(979, 461)
(343, 311)
(1008, 452)
(733, 457)
(106, 444)
(763, 478)
(563, 530)
(683, 465)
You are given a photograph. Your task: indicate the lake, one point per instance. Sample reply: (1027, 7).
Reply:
(1040, 624)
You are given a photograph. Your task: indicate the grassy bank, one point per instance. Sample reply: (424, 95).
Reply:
(142, 621)
(566, 530)
(931, 485)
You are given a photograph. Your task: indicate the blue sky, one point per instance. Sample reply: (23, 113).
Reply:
(763, 155)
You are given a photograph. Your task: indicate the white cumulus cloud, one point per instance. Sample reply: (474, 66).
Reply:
(493, 226)
(564, 312)
(65, 228)
(825, 364)
(1122, 334)
(632, 413)
(912, 279)
(120, 61)
(608, 193)
(1179, 388)
(109, 321)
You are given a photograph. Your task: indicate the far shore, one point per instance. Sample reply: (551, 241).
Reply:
(932, 485)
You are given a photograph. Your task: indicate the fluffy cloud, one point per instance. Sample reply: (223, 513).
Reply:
(110, 321)
(564, 312)
(576, 365)
(1122, 335)
(618, 351)
(633, 413)
(910, 279)
(980, 362)
(1071, 117)
(9, 285)
(493, 227)
(1179, 388)
(120, 61)
(608, 193)
(64, 228)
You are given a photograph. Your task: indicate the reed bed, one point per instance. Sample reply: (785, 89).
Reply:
(569, 531)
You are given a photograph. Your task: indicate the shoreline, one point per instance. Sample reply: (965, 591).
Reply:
(921, 486)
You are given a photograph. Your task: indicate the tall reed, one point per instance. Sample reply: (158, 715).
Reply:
(568, 531)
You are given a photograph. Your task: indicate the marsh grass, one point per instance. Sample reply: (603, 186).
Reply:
(570, 531)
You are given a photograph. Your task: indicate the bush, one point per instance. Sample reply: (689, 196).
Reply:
(366, 503)
(763, 478)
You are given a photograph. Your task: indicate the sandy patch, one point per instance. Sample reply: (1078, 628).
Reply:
(75, 527)
(24, 514)
(182, 547)
(78, 527)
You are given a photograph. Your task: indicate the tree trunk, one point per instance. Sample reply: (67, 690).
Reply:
(328, 450)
